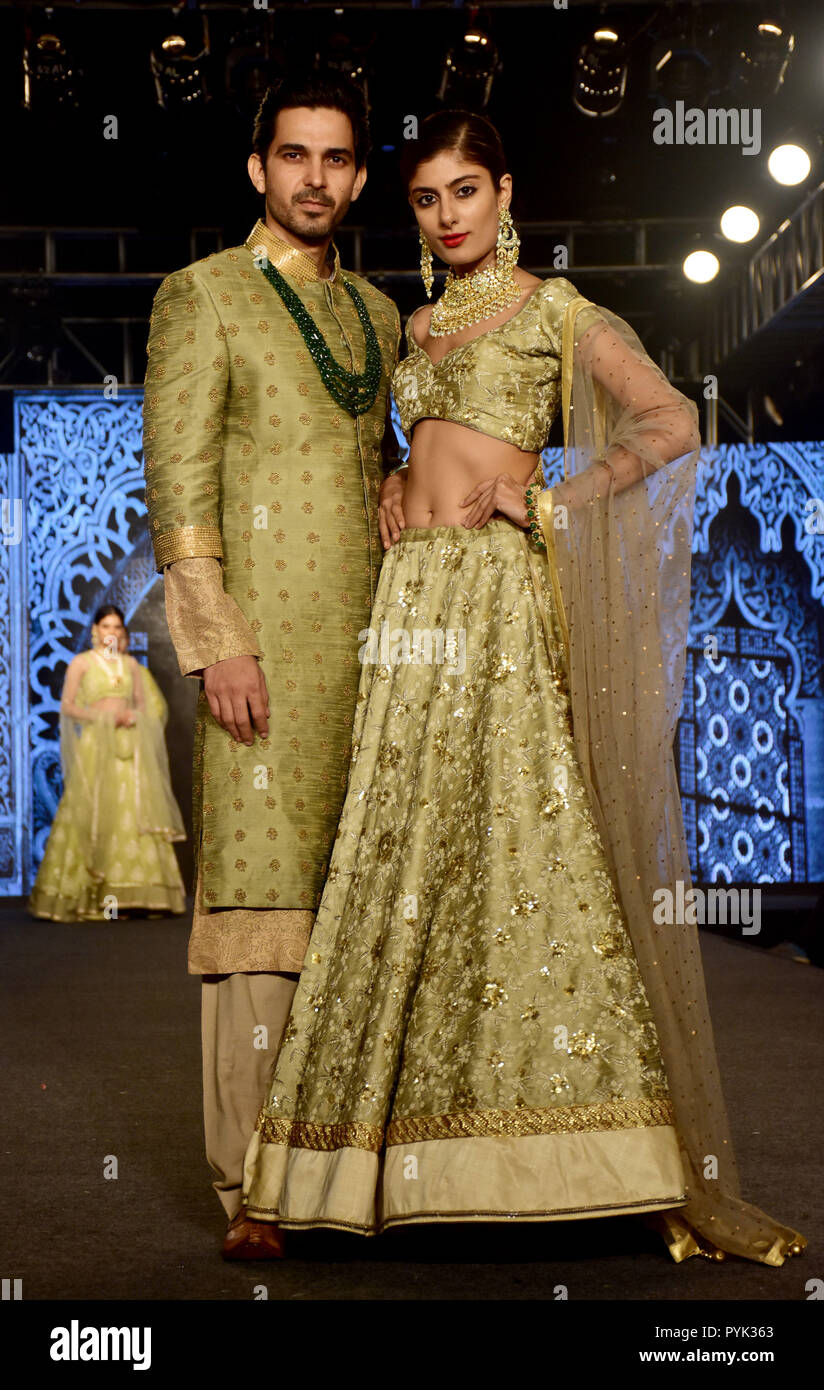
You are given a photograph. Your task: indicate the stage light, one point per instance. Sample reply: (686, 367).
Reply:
(600, 75)
(684, 59)
(469, 71)
(250, 69)
(683, 76)
(342, 55)
(740, 223)
(789, 164)
(761, 63)
(178, 67)
(50, 80)
(701, 267)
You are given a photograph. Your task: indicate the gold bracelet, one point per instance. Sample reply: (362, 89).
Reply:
(532, 518)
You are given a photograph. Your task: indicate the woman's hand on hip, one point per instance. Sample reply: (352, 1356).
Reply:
(502, 494)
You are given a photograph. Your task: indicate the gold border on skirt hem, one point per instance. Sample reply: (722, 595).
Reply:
(473, 1124)
(570, 1119)
(444, 1218)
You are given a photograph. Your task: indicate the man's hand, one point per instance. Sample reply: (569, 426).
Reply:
(236, 689)
(390, 508)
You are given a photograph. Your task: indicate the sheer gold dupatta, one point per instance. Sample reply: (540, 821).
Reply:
(619, 549)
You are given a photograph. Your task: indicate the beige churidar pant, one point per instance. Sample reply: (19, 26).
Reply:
(237, 1066)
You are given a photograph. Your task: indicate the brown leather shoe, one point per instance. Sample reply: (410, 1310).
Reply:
(252, 1240)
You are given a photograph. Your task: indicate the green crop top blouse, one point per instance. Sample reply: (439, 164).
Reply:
(506, 382)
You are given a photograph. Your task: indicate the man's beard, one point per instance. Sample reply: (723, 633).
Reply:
(308, 226)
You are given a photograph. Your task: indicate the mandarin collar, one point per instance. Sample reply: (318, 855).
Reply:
(289, 259)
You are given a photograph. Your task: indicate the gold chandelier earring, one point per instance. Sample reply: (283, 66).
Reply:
(508, 243)
(469, 299)
(426, 265)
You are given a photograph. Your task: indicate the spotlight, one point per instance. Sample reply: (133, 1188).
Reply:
(739, 223)
(178, 67)
(684, 60)
(789, 164)
(50, 81)
(469, 71)
(683, 75)
(343, 56)
(249, 70)
(762, 61)
(600, 74)
(701, 267)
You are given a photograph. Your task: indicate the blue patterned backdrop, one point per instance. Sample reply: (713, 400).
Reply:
(750, 747)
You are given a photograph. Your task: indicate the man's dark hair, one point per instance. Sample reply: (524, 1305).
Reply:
(313, 89)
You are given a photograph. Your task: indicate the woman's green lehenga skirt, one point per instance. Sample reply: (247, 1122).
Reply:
(139, 871)
(470, 1038)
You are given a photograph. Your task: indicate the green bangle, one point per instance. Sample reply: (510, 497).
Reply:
(532, 517)
(399, 468)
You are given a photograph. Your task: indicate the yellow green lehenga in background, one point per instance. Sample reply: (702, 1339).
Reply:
(112, 834)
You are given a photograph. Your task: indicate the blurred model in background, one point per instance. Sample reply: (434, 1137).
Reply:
(110, 850)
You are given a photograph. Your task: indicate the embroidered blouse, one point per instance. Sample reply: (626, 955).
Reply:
(505, 382)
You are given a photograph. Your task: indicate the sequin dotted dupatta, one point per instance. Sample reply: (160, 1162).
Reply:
(618, 547)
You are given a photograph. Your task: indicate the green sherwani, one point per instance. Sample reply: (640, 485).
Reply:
(250, 460)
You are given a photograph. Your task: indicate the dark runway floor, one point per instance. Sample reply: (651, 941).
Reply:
(101, 1050)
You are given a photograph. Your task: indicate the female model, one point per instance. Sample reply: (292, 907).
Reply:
(110, 845)
(491, 1024)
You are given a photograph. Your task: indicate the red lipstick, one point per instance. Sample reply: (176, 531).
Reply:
(454, 240)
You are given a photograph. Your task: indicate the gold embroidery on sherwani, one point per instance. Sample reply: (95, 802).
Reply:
(236, 415)
(289, 260)
(224, 939)
(187, 541)
(204, 621)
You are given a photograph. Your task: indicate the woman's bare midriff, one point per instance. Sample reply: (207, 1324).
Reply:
(446, 462)
(115, 703)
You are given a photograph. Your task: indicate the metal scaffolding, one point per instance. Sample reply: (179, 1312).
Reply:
(90, 288)
(775, 304)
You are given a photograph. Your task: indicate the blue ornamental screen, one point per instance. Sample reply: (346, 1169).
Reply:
(750, 745)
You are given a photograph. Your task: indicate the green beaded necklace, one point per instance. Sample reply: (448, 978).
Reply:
(354, 392)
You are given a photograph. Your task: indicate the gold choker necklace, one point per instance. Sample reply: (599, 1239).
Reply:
(469, 299)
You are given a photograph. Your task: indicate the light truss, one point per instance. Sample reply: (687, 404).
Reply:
(68, 264)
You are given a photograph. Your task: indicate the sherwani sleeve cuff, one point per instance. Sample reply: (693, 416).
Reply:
(205, 623)
(187, 542)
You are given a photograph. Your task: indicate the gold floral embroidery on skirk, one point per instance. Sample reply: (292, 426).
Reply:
(469, 952)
